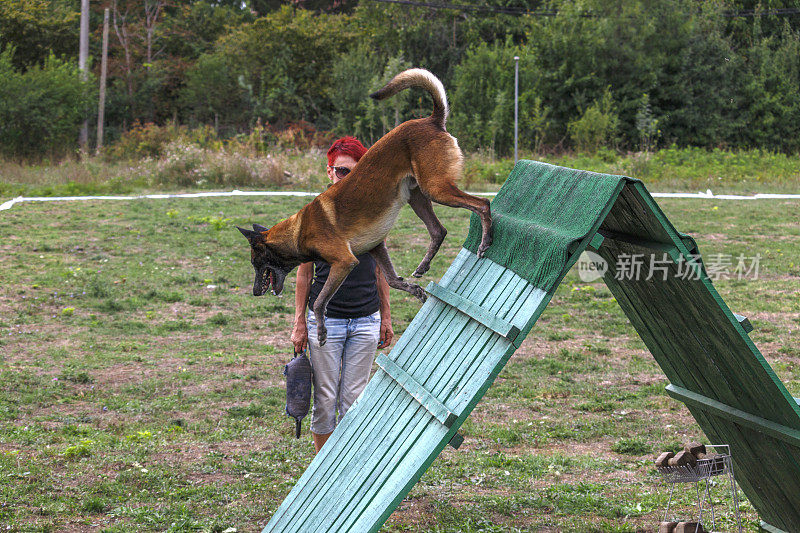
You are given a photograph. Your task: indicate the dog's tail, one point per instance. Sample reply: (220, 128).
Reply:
(419, 77)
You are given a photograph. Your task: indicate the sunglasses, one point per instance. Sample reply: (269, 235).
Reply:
(341, 172)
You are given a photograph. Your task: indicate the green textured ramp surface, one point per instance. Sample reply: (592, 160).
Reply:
(482, 309)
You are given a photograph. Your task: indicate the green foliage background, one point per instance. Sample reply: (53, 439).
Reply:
(708, 74)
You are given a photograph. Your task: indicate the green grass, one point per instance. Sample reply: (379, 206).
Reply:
(156, 402)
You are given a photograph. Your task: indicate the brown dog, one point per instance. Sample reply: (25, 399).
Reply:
(416, 162)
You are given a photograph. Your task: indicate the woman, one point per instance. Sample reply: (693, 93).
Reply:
(358, 319)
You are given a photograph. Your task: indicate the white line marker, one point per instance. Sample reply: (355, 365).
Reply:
(708, 195)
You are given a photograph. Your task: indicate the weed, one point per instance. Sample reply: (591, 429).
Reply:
(82, 449)
(632, 446)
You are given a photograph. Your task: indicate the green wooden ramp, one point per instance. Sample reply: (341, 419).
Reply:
(482, 309)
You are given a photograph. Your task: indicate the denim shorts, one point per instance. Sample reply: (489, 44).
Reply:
(341, 367)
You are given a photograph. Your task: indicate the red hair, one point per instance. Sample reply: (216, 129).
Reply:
(346, 146)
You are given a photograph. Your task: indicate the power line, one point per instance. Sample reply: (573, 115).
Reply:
(481, 8)
(509, 10)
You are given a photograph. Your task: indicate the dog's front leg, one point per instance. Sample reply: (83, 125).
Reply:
(381, 255)
(339, 271)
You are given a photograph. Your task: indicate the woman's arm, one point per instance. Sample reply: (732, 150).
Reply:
(305, 274)
(387, 333)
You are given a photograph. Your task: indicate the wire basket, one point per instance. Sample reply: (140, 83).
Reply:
(705, 468)
(718, 465)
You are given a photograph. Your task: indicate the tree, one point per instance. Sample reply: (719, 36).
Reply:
(37, 29)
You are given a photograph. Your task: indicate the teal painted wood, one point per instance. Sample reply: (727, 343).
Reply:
(770, 528)
(456, 441)
(596, 242)
(417, 391)
(388, 439)
(744, 322)
(472, 310)
(311, 504)
(356, 496)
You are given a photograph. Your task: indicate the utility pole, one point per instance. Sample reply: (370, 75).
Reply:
(83, 58)
(101, 106)
(516, 108)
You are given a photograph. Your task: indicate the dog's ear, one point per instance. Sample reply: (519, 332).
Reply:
(259, 228)
(250, 235)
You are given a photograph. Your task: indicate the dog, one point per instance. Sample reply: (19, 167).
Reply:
(417, 162)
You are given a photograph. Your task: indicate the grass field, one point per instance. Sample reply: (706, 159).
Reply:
(141, 386)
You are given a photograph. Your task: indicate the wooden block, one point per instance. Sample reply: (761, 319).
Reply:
(689, 527)
(683, 458)
(663, 459)
(694, 448)
(667, 527)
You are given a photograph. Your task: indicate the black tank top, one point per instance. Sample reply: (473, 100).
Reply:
(358, 295)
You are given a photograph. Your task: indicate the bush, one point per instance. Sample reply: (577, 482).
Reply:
(41, 109)
(597, 126)
(151, 140)
(188, 165)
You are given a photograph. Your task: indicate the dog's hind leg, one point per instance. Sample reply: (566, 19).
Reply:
(446, 193)
(339, 271)
(436, 177)
(381, 256)
(424, 209)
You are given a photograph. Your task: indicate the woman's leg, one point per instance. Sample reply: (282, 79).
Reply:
(359, 352)
(326, 361)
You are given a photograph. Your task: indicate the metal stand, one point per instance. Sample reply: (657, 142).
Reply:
(704, 470)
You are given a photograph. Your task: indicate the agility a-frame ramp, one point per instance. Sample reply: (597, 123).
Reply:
(482, 309)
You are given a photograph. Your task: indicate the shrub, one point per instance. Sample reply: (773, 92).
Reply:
(152, 140)
(597, 126)
(41, 109)
(188, 165)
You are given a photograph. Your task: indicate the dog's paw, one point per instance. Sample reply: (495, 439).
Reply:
(322, 335)
(483, 247)
(418, 292)
(420, 271)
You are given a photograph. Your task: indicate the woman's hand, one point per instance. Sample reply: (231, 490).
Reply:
(300, 336)
(387, 333)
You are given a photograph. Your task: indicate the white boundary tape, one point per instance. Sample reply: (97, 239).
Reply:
(708, 195)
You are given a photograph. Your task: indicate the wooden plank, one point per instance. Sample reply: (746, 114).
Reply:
(596, 242)
(419, 440)
(459, 386)
(417, 391)
(364, 497)
(744, 322)
(769, 528)
(456, 441)
(408, 415)
(788, 411)
(780, 432)
(473, 336)
(764, 492)
(354, 431)
(745, 456)
(363, 464)
(695, 377)
(331, 456)
(690, 305)
(474, 311)
(668, 248)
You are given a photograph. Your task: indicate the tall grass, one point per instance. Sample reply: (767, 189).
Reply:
(179, 161)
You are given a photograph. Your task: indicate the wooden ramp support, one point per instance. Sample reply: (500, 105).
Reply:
(482, 309)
